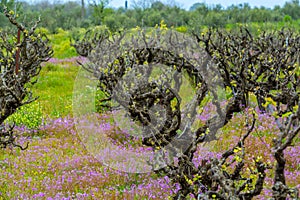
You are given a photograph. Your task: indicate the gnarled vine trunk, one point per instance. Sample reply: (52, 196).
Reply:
(22, 50)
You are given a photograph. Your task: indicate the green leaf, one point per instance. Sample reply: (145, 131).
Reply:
(287, 114)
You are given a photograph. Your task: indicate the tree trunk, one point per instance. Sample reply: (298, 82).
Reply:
(82, 9)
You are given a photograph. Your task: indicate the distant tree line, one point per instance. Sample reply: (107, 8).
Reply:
(144, 13)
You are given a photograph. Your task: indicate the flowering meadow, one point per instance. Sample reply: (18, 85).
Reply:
(58, 165)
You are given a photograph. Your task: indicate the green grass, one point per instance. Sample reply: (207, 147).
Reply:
(55, 89)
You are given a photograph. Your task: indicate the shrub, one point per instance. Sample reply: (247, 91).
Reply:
(29, 115)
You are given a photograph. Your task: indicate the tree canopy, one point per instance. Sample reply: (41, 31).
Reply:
(146, 13)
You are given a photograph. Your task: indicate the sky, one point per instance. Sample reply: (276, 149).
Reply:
(186, 4)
